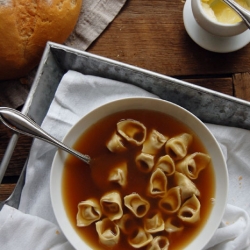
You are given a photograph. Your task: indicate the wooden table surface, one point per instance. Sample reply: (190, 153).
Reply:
(151, 35)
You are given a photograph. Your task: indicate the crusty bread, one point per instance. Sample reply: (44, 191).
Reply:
(25, 28)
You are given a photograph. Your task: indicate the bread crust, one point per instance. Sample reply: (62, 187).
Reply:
(25, 28)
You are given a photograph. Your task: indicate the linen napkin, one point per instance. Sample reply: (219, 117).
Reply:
(33, 226)
(95, 16)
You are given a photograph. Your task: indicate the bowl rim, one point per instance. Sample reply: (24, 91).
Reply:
(221, 184)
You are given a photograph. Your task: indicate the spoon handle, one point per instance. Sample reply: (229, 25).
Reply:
(22, 124)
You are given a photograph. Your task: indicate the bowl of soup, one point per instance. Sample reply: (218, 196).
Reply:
(157, 179)
(218, 18)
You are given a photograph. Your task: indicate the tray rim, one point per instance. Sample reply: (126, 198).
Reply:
(144, 71)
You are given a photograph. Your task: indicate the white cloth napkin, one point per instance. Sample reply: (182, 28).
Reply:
(33, 226)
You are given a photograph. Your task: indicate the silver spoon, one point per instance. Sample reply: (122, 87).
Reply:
(242, 12)
(22, 124)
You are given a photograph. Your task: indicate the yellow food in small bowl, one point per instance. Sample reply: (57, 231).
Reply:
(217, 18)
(221, 12)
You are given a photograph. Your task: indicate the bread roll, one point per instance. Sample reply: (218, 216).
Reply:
(25, 28)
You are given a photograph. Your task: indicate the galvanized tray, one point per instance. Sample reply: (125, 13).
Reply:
(210, 106)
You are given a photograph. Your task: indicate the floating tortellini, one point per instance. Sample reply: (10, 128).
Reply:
(159, 243)
(173, 225)
(153, 223)
(190, 210)
(154, 211)
(154, 142)
(166, 164)
(136, 204)
(157, 184)
(111, 204)
(108, 232)
(171, 202)
(119, 174)
(127, 223)
(145, 162)
(133, 131)
(89, 211)
(115, 144)
(193, 164)
(177, 146)
(187, 187)
(139, 238)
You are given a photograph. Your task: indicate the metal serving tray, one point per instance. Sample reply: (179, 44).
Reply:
(210, 106)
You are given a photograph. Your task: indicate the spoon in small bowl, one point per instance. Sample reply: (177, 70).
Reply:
(22, 124)
(241, 11)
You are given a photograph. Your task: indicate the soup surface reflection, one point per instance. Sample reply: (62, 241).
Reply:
(82, 182)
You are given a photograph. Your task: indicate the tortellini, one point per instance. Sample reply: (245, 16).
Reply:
(166, 164)
(140, 238)
(154, 142)
(193, 164)
(187, 187)
(133, 131)
(145, 162)
(173, 225)
(116, 144)
(157, 184)
(127, 223)
(112, 205)
(119, 174)
(88, 212)
(190, 210)
(177, 146)
(169, 200)
(159, 243)
(108, 232)
(153, 223)
(136, 204)
(130, 131)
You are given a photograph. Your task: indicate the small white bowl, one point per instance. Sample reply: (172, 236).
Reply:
(208, 140)
(213, 26)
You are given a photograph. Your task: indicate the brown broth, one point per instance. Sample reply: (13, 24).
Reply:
(81, 182)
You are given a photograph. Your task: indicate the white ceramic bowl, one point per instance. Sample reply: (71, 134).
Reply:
(208, 140)
(214, 27)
